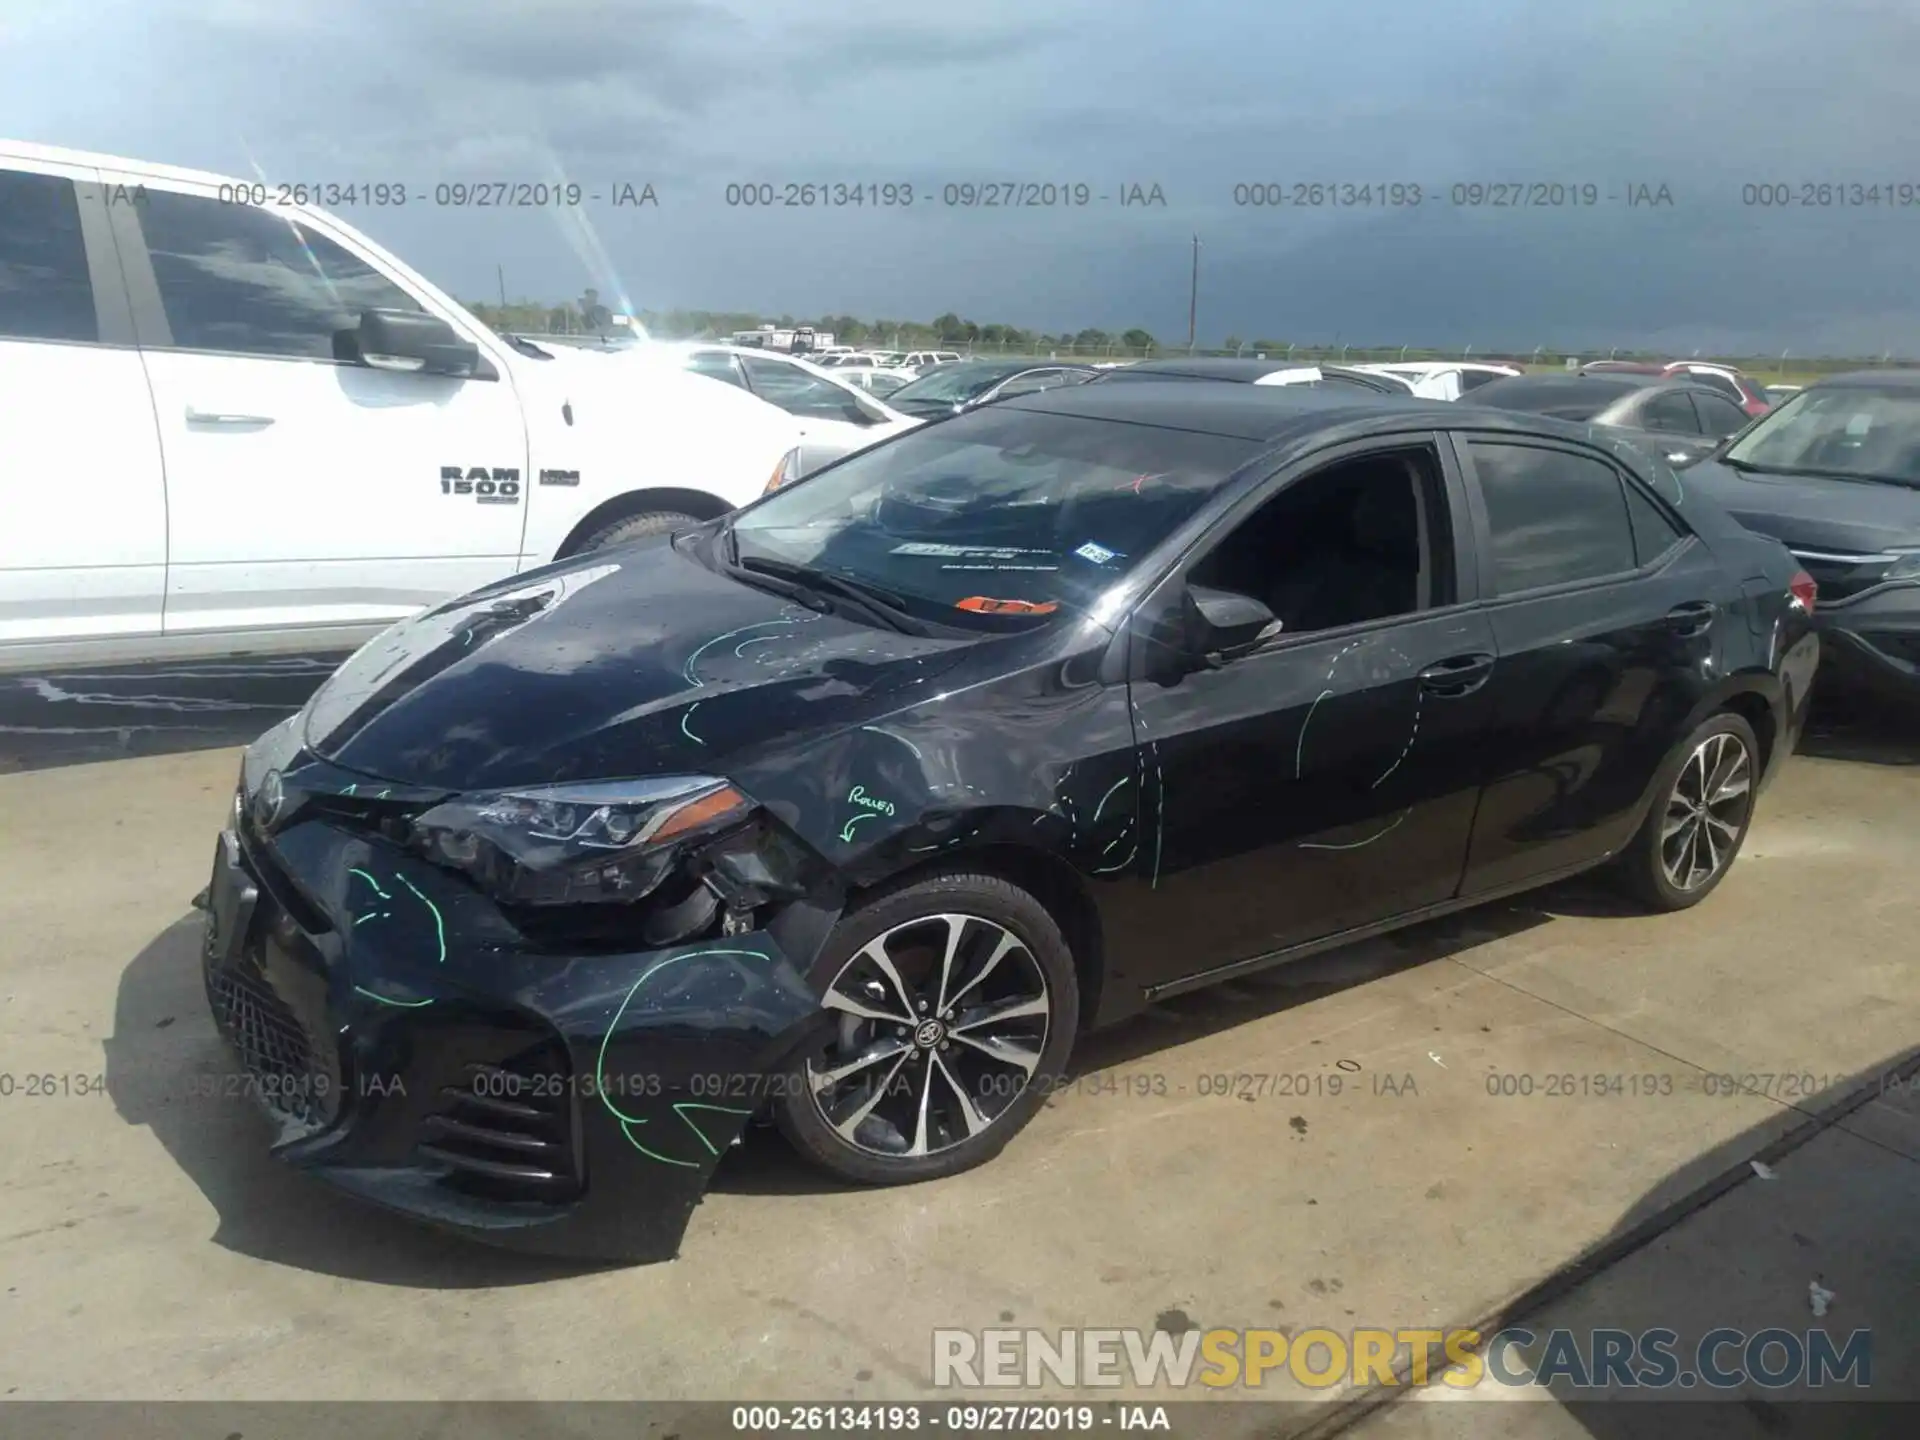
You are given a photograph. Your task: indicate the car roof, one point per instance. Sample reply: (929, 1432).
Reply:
(1244, 412)
(1275, 415)
(1217, 367)
(99, 160)
(1629, 379)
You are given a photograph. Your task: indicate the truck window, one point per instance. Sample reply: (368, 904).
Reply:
(45, 291)
(243, 280)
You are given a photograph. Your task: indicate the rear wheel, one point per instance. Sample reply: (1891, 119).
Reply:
(635, 527)
(1699, 819)
(956, 1005)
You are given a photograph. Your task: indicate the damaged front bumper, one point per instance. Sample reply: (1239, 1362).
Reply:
(415, 1050)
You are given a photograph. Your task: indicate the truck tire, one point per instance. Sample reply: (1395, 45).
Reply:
(634, 527)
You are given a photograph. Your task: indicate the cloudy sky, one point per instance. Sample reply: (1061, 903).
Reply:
(1704, 97)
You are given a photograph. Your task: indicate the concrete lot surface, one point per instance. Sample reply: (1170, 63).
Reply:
(151, 1250)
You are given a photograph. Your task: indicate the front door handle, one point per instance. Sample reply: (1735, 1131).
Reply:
(1457, 675)
(214, 417)
(1693, 618)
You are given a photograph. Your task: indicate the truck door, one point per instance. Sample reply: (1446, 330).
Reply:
(83, 518)
(305, 489)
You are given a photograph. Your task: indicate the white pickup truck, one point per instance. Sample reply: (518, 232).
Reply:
(232, 424)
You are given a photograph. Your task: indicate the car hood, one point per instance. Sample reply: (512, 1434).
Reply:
(629, 390)
(1814, 512)
(626, 663)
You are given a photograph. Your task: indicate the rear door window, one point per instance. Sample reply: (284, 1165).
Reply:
(46, 292)
(1553, 517)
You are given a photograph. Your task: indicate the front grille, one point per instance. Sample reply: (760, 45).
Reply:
(1841, 576)
(295, 1072)
(506, 1131)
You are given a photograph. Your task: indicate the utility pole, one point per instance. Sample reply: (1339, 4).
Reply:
(500, 274)
(1193, 296)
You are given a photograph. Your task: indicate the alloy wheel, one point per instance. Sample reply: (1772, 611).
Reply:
(942, 1023)
(1707, 812)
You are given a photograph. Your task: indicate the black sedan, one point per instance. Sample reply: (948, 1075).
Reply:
(1834, 472)
(857, 807)
(1677, 420)
(961, 385)
(1258, 372)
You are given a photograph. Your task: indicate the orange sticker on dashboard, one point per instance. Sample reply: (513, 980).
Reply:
(985, 605)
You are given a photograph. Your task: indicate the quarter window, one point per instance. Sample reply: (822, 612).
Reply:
(1553, 517)
(1671, 413)
(243, 280)
(1720, 417)
(1653, 533)
(45, 291)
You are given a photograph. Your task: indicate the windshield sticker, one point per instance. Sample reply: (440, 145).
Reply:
(1098, 554)
(986, 605)
(966, 552)
(1047, 568)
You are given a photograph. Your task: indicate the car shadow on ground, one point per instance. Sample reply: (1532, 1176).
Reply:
(1723, 1242)
(168, 1070)
(1844, 726)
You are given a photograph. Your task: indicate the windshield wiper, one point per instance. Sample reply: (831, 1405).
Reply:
(879, 603)
(1860, 476)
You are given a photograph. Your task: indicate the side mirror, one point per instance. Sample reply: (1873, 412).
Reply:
(1223, 625)
(410, 340)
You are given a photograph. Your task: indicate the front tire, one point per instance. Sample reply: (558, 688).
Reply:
(634, 527)
(1703, 806)
(957, 1003)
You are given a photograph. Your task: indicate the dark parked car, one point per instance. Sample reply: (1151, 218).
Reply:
(860, 805)
(1259, 372)
(1678, 421)
(1563, 397)
(1675, 420)
(962, 384)
(1622, 367)
(1834, 472)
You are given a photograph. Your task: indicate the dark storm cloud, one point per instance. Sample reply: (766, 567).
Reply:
(1196, 97)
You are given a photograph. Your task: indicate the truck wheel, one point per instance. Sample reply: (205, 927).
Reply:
(635, 527)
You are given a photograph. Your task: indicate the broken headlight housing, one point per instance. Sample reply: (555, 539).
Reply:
(606, 842)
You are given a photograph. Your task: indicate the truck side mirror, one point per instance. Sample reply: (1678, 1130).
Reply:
(415, 342)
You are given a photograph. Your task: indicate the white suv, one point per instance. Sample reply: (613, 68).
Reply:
(234, 425)
(921, 359)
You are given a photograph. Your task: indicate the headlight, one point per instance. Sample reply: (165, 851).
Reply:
(1907, 567)
(786, 472)
(610, 842)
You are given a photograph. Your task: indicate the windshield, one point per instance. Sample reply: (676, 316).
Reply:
(954, 384)
(996, 517)
(1862, 431)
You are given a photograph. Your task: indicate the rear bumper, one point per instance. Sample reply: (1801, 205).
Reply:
(413, 1052)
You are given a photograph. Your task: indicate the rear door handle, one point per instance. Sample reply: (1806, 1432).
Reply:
(1691, 619)
(1457, 675)
(213, 417)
